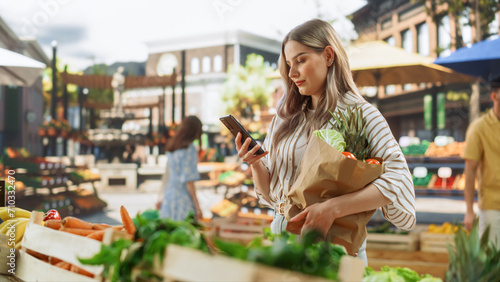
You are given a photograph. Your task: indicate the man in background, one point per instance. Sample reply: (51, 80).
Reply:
(482, 161)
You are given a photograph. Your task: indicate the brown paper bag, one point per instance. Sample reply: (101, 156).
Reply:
(326, 173)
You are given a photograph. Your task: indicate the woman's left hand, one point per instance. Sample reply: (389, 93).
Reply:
(319, 216)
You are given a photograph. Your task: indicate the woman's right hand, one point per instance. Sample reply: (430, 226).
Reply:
(243, 152)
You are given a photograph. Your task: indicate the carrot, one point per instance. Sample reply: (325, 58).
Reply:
(77, 231)
(100, 226)
(128, 224)
(53, 260)
(63, 265)
(81, 271)
(38, 255)
(117, 227)
(73, 222)
(53, 223)
(98, 235)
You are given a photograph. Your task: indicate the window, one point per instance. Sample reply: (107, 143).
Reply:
(205, 64)
(391, 41)
(218, 63)
(423, 45)
(444, 37)
(195, 65)
(407, 40)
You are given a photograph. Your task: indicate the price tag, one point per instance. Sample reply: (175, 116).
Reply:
(420, 172)
(444, 172)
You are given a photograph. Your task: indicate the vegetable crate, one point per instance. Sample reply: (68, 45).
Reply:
(41, 243)
(435, 242)
(179, 261)
(396, 242)
(241, 227)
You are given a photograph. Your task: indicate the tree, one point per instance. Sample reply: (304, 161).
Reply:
(247, 88)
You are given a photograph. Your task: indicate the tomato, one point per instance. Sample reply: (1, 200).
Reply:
(372, 161)
(349, 155)
(52, 214)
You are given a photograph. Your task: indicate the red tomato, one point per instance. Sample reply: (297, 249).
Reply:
(372, 161)
(52, 214)
(349, 155)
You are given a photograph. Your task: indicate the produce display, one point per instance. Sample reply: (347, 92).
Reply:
(14, 221)
(307, 254)
(231, 178)
(416, 149)
(450, 150)
(396, 274)
(82, 175)
(445, 228)
(385, 228)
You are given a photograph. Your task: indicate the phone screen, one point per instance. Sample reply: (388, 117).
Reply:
(234, 126)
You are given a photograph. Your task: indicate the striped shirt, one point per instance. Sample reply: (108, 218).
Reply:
(395, 183)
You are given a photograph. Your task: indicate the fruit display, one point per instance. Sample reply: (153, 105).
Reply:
(454, 149)
(231, 178)
(82, 175)
(416, 149)
(445, 228)
(14, 221)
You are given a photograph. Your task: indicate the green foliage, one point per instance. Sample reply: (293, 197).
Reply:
(247, 87)
(396, 274)
(152, 237)
(102, 96)
(308, 254)
(473, 258)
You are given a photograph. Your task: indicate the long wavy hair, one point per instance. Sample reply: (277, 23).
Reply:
(315, 34)
(189, 130)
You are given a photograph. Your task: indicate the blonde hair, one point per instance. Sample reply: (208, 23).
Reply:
(315, 34)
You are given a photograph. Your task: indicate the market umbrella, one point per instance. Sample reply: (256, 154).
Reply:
(481, 59)
(377, 63)
(17, 69)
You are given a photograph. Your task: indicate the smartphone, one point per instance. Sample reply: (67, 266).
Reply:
(234, 126)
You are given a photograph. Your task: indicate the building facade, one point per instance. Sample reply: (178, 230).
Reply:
(21, 108)
(407, 24)
(206, 61)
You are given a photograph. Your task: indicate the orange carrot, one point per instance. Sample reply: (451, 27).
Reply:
(53, 223)
(73, 222)
(78, 231)
(128, 224)
(63, 265)
(100, 226)
(117, 227)
(38, 255)
(81, 271)
(53, 260)
(98, 235)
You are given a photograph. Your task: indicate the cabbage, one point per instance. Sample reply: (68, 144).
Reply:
(332, 138)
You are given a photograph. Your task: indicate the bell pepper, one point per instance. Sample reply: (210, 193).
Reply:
(52, 214)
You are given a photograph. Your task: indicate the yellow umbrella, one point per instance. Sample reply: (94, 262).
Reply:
(376, 63)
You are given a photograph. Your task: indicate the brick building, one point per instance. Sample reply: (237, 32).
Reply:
(406, 24)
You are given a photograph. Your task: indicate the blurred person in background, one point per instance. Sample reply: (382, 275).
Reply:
(315, 69)
(177, 194)
(482, 162)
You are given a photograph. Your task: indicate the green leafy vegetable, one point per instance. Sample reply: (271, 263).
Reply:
(332, 138)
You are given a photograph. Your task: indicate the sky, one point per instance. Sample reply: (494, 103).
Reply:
(108, 31)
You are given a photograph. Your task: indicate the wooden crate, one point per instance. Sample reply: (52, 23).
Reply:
(179, 262)
(62, 245)
(435, 242)
(397, 242)
(435, 264)
(241, 227)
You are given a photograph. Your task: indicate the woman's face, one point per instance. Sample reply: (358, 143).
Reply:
(308, 69)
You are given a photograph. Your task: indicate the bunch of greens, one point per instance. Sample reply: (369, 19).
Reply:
(473, 258)
(153, 235)
(396, 274)
(308, 254)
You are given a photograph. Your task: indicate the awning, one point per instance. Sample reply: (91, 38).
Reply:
(17, 69)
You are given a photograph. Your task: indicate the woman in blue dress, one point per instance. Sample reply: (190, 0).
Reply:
(178, 190)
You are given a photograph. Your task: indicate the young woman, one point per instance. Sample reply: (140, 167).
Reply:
(178, 195)
(316, 73)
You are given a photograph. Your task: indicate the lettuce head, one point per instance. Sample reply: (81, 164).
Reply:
(332, 137)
